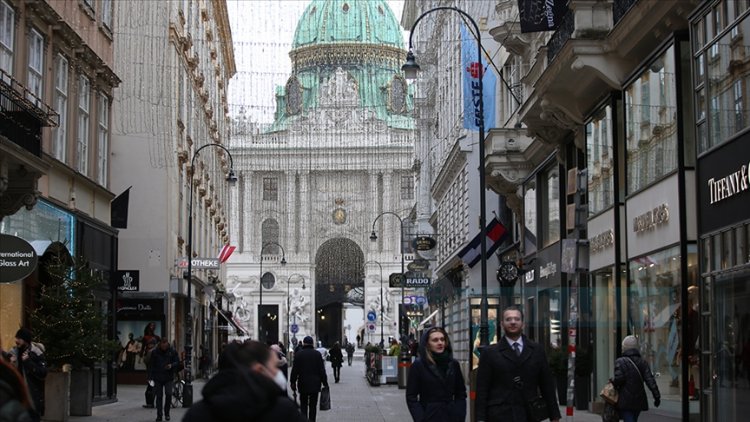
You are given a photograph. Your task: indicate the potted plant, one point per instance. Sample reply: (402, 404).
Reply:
(583, 371)
(68, 321)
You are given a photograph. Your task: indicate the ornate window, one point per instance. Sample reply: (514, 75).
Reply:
(293, 96)
(7, 29)
(397, 95)
(270, 189)
(407, 187)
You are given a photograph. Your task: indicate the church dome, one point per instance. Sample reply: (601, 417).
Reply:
(348, 21)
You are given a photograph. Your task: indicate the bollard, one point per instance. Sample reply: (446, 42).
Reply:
(404, 363)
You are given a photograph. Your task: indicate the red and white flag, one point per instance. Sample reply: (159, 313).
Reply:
(225, 253)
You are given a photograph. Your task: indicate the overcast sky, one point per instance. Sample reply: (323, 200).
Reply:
(262, 33)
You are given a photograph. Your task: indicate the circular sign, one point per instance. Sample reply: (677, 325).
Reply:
(294, 328)
(421, 300)
(424, 243)
(372, 316)
(17, 258)
(371, 327)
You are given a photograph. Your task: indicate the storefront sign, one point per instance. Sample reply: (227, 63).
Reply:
(549, 270)
(651, 219)
(528, 277)
(418, 264)
(417, 279)
(423, 243)
(732, 184)
(602, 241)
(17, 258)
(127, 281)
(200, 263)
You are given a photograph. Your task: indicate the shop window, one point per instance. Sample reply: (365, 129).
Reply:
(605, 324)
(550, 217)
(599, 141)
(530, 221)
(651, 126)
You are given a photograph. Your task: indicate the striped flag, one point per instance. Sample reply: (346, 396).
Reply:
(496, 232)
(225, 253)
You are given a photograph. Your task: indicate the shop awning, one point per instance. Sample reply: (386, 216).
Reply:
(426, 320)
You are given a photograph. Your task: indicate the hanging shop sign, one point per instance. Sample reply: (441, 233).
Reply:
(418, 264)
(127, 280)
(424, 243)
(17, 258)
(417, 279)
(396, 280)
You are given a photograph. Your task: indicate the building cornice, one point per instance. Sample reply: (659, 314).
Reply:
(225, 37)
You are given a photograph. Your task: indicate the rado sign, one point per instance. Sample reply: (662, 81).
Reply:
(651, 219)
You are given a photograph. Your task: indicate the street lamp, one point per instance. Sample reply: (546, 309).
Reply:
(410, 69)
(382, 344)
(374, 237)
(187, 400)
(260, 280)
(288, 306)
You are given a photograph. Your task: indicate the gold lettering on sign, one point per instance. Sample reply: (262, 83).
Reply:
(650, 219)
(602, 241)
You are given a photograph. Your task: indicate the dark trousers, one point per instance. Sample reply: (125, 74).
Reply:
(308, 403)
(163, 389)
(350, 357)
(337, 373)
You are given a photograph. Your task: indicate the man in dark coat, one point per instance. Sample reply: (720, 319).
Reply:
(308, 374)
(631, 371)
(511, 372)
(248, 387)
(350, 354)
(161, 369)
(28, 358)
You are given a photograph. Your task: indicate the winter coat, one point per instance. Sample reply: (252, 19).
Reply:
(336, 357)
(308, 371)
(629, 383)
(34, 371)
(157, 367)
(432, 395)
(349, 349)
(499, 397)
(239, 395)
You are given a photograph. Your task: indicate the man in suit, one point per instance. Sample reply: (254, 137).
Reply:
(308, 373)
(511, 372)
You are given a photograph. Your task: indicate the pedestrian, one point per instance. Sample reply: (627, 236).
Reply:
(512, 374)
(395, 348)
(248, 387)
(308, 374)
(631, 371)
(162, 366)
(150, 394)
(350, 353)
(283, 363)
(15, 403)
(28, 358)
(435, 389)
(359, 341)
(337, 360)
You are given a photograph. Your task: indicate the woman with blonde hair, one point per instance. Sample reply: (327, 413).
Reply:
(435, 390)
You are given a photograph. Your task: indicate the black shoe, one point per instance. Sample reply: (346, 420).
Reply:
(166, 417)
(158, 419)
(148, 406)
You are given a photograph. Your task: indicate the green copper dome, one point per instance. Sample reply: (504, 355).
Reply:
(348, 21)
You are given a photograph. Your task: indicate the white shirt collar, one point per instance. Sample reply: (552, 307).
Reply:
(519, 341)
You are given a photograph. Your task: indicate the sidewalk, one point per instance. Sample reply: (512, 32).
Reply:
(352, 400)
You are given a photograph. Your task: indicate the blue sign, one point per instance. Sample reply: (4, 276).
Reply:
(371, 316)
(295, 328)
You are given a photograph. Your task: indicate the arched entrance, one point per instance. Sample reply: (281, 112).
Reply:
(339, 275)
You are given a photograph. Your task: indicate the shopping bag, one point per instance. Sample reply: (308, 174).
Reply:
(325, 399)
(609, 393)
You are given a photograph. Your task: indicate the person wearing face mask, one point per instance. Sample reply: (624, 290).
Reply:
(435, 390)
(247, 387)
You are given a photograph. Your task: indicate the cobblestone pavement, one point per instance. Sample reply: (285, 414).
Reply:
(352, 400)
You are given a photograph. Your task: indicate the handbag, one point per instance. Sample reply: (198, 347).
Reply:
(609, 393)
(610, 413)
(325, 399)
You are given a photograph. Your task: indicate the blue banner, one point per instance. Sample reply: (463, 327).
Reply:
(472, 71)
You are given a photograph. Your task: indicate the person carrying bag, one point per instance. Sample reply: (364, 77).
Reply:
(631, 372)
(325, 399)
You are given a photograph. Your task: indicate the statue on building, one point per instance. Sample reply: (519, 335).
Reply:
(297, 305)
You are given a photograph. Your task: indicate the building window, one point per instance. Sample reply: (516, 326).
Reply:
(269, 234)
(651, 126)
(36, 65)
(107, 13)
(83, 124)
(407, 187)
(738, 100)
(103, 137)
(601, 172)
(529, 217)
(270, 189)
(59, 134)
(7, 28)
(550, 215)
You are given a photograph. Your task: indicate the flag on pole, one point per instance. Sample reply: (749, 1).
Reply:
(472, 253)
(472, 71)
(225, 253)
(118, 210)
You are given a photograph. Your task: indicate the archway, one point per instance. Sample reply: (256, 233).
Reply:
(339, 285)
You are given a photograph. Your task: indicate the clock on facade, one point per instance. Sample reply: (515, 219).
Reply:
(507, 274)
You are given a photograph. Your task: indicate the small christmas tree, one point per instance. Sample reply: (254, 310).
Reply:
(67, 319)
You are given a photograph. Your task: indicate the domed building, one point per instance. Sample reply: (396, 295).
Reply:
(335, 164)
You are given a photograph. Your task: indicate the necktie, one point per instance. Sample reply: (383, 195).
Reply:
(517, 348)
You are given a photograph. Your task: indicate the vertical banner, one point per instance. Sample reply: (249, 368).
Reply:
(472, 71)
(119, 210)
(541, 15)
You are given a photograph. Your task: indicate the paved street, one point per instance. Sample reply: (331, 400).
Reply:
(352, 400)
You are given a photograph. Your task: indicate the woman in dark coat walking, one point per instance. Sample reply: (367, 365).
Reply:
(631, 371)
(435, 390)
(337, 360)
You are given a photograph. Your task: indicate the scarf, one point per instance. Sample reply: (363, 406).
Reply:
(442, 361)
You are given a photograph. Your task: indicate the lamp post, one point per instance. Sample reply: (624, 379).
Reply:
(260, 280)
(288, 306)
(410, 69)
(187, 400)
(381, 299)
(374, 237)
